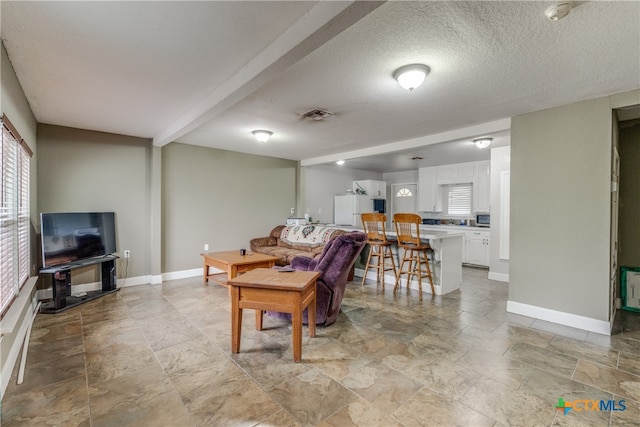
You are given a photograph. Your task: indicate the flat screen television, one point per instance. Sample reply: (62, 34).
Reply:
(71, 237)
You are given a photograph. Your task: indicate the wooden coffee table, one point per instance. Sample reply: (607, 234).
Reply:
(233, 263)
(272, 290)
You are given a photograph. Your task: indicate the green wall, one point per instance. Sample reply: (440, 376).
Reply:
(80, 170)
(219, 197)
(560, 207)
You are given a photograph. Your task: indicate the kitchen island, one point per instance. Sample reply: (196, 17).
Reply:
(446, 265)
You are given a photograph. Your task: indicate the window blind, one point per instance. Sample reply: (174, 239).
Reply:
(14, 215)
(459, 199)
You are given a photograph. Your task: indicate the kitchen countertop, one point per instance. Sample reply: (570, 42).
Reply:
(453, 227)
(430, 234)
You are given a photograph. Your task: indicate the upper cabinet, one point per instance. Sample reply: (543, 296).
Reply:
(429, 193)
(432, 182)
(482, 187)
(456, 174)
(371, 188)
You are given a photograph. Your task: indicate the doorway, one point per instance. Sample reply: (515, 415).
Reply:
(404, 198)
(625, 202)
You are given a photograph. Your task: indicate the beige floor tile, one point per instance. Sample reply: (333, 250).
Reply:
(523, 334)
(360, 413)
(159, 355)
(166, 330)
(605, 378)
(312, 396)
(541, 358)
(629, 362)
(61, 404)
(508, 406)
(117, 360)
(223, 395)
(279, 419)
(627, 417)
(511, 373)
(378, 384)
(428, 408)
(580, 349)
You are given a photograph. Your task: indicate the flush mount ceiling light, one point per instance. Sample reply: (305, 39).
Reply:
(411, 76)
(482, 142)
(558, 11)
(262, 135)
(340, 162)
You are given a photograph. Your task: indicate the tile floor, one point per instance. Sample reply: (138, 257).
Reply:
(159, 355)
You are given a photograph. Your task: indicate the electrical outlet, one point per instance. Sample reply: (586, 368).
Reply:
(206, 246)
(293, 210)
(127, 253)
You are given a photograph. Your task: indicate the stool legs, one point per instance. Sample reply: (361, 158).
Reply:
(415, 259)
(381, 253)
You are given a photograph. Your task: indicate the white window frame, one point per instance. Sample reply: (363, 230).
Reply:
(15, 251)
(459, 199)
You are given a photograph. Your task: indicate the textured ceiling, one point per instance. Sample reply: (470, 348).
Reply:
(207, 73)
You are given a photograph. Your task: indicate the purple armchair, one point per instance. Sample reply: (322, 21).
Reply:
(334, 263)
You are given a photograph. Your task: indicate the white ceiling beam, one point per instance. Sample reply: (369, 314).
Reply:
(323, 22)
(469, 132)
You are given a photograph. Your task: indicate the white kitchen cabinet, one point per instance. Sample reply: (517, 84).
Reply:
(476, 248)
(482, 187)
(429, 193)
(371, 187)
(460, 173)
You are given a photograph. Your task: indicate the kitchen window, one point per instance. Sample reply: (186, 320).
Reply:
(15, 157)
(459, 199)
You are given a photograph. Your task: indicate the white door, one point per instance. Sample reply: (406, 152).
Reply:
(405, 199)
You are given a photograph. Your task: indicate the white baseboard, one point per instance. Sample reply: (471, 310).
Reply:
(499, 277)
(562, 318)
(156, 279)
(184, 274)
(132, 281)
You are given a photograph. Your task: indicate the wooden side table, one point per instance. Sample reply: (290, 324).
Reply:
(233, 263)
(272, 290)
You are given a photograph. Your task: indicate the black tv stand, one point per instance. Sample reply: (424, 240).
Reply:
(61, 278)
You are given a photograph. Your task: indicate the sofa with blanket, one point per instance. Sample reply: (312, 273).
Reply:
(288, 242)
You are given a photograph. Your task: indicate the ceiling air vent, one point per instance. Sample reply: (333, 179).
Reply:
(317, 114)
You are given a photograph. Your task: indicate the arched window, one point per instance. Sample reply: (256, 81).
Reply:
(404, 192)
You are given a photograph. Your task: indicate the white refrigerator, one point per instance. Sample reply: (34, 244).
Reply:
(347, 209)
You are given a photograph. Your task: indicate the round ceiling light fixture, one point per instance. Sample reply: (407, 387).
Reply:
(558, 11)
(262, 135)
(411, 76)
(340, 162)
(483, 142)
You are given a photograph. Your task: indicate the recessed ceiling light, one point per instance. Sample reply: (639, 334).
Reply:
(340, 162)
